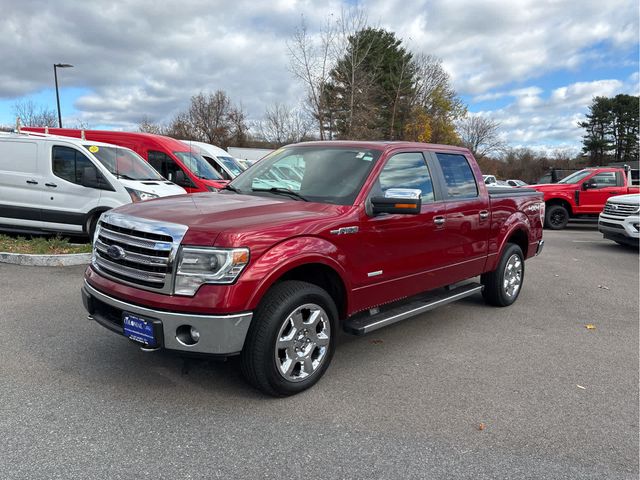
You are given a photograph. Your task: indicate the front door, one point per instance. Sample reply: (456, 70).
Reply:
(399, 255)
(605, 185)
(67, 201)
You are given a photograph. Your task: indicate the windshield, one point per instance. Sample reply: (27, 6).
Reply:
(231, 164)
(198, 165)
(319, 174)
(124, 163)
(575, 177)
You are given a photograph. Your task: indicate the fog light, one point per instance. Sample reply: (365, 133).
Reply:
(187, 335)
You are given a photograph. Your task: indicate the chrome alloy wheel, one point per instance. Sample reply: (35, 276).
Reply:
(303, 342)
(512, 279)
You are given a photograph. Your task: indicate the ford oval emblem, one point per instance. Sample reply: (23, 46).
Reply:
(116, 252)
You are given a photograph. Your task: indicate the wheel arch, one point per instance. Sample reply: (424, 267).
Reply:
(559, 201)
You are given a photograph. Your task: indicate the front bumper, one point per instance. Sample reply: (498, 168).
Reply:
(619, 229)
(219, 334)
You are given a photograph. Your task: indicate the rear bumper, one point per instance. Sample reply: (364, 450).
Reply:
(219, 334)
(540, 247)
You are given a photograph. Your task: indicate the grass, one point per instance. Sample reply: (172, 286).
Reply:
(41, 245)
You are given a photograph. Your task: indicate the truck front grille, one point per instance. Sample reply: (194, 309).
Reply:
(137, 251)
(620, 209)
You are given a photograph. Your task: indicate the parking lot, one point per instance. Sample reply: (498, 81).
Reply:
(466, 391)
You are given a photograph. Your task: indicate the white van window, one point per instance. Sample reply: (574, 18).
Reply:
(124, 163)
(70, 164)
(19, 157)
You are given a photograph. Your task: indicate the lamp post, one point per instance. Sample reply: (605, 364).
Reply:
(55, 76)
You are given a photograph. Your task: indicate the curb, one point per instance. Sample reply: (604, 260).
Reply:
(46, 260)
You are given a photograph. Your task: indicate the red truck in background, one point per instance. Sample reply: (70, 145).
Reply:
(584, 193)
(174, 160)
(361, 235)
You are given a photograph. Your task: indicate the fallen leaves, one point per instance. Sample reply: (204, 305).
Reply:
(580, 387)
(590, 326)
(481, 426)
(604, 287)
(377, 341)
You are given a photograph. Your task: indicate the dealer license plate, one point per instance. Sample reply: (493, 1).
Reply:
(139, 329)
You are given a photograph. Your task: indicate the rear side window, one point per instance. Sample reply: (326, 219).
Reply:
(70, 164)
(407, 170)
(605, 179)
(458, 176)
(19, 157)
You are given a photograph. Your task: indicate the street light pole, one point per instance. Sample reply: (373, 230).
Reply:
(55, 76)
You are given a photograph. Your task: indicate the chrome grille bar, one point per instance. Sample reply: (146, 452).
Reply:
(135, 257)
(135, 241)
(151, 277)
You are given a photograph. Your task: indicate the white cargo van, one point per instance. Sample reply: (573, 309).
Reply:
(61, 184)
(220, 160)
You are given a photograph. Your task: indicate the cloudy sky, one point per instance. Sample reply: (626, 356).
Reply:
(533, 65)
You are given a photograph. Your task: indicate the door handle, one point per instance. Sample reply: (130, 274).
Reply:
(483, 214)
(32, 182)
(438, 220)
(52, 185)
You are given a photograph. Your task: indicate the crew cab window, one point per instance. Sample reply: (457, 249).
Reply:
(70, 164)
(458, 176)
(406, 170)
(605, 179)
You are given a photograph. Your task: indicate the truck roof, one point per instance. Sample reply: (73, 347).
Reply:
(380, 145)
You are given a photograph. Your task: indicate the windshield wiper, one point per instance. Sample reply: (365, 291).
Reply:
(121, 175)
(231, 188)
(281, 191)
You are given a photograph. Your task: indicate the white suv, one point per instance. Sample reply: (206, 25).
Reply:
(620, 220)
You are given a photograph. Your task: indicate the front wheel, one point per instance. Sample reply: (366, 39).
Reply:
(556, 217)
(291, 339)
(503, 285)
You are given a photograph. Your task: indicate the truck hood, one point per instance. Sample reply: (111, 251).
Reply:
(555, 187)
(162, 188)
(629, 199)
(207, 215)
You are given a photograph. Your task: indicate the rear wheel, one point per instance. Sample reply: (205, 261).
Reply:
(291, 339)
(503, 285)
(556, 217)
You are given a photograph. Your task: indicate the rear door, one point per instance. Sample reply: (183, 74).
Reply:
(467, 217)
(21, 183)
(67, 201)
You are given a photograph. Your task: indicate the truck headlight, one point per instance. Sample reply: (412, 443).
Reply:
(197, 266)
(140, 196)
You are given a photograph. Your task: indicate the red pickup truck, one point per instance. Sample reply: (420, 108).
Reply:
(317, 236)
(584, 193)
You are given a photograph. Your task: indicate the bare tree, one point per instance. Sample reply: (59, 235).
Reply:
(311, 60)
(282, 125)
(481, 135)
(147, 126)
(34, 115)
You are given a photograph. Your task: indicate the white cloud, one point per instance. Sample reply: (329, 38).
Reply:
(147, 57)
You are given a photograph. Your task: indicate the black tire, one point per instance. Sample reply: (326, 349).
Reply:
(91, 226)
(259, 355)
(494, 292)
(556, 217)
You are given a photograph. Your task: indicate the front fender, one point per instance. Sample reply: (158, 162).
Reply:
(292, 253)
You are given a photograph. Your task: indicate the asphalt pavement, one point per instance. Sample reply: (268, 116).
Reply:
(466, 391)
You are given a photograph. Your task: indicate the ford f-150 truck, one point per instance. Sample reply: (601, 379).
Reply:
(584, 193)
(360, 236)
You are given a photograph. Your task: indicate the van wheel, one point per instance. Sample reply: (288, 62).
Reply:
(503, 285)
(91, 226)
(556, 217)
(291, 339)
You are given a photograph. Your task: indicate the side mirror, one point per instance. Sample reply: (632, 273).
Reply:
(398, 201)
(90, 178)
(589, 184)
(180, 178)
